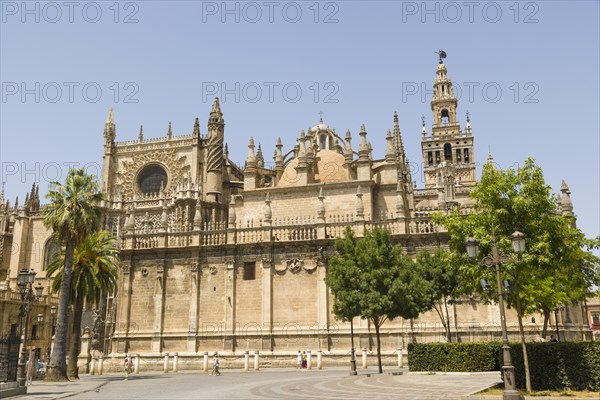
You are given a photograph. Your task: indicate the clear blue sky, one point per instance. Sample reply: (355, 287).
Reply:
(373, 58)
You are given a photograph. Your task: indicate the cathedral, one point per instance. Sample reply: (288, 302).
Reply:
(215, 257)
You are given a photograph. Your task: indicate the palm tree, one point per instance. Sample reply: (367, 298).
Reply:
(95, 263)
(72, 215)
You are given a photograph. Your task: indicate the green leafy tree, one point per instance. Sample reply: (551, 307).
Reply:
(72, 215)
(95, 263)
(442, 271)
(554, 269)
(378, 281)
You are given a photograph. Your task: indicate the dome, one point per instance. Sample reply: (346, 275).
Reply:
(330, 168)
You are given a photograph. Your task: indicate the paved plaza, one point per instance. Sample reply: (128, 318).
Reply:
(268, 384)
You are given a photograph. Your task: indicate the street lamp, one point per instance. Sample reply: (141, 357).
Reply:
(353, 352)
(29, 294)
(494, 261)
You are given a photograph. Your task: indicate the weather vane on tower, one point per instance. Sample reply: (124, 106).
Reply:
(442, 55)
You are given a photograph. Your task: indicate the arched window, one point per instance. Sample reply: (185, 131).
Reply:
(322, 142)
(445, 117)
(448, 152)
(51, 252)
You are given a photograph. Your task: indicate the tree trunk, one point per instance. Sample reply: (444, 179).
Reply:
(546, 319)
(378, 346)
(57, 368)
(75, 341)
(440, 313)
(455, 322)
(524, 347)
(447, 324)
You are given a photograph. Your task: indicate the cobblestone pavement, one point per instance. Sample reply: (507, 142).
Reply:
(267, 384)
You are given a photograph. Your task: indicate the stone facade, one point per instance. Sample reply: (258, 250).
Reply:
(217, 257)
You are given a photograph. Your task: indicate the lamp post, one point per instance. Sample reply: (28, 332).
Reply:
(494, 261)
(50, 325)
(29, 294)
(352, 351)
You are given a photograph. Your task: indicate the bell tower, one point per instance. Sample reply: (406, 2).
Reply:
(447, 145)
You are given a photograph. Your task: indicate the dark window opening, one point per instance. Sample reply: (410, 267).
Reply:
(13, 329)
(445, 117)
(466, 155)
(458, 155)
(596, 318)
(448, 152)
(52, 253)
(34, 332)
(151, 179)
(437, 157)
(430, 158)
(249, 271)
(322, 142)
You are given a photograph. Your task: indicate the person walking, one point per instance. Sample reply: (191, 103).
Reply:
(304, 360)
(299, 360)
(127, 366)
(216, 365)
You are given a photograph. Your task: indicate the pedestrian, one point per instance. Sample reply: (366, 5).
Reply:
(126, 367)
(304, 360)
(299, 360)
(216, 365)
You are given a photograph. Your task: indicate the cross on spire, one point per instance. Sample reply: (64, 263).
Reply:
(321, 116)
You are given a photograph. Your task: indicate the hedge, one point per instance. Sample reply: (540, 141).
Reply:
(558, 366)
(459, 357)
(552, 366)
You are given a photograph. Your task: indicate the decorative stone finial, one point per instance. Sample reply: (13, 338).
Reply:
(141, 135)
(170, 132)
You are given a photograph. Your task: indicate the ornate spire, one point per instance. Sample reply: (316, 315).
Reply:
(268, 213)
(250, 158)
(348, 153)
(390, 154)
(423, 129)
(111, 117)
(321, 206)
(141, 135)
(260, 160)
(278, 153)
(363, 147)
(565, 203)
(169, 132)
(196, 132)
(110, 130)
(226, 151)
(360, 208)
(216, 107)
(468, 125)
(398, 143)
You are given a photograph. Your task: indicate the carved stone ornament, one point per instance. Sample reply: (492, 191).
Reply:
(212, 269)
(174, 163)
(281, 268)
(310, 267)
(144, 271)
(295, 265)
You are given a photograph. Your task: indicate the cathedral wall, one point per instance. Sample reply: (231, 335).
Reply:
(178, 297)
(212, 300)
(142, 299)
(248, 308)
(294, 299)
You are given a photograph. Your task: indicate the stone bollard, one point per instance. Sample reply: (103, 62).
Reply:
(319, 359)
(100, 364)
(256, 360)
(308, 359)
(364, 358)
(246, 361)
(205, 362)
(93, 367)
(400, 360)
(175, 362)
(166, 364)
(136, 364)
